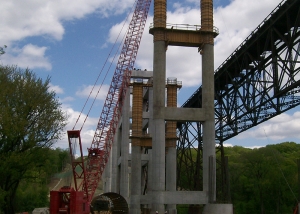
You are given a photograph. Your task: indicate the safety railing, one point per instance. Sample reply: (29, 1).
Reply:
(185, 27)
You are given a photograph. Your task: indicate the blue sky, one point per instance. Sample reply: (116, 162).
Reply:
(69, 40)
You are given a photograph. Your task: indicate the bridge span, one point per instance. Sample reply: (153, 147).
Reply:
(257, 82)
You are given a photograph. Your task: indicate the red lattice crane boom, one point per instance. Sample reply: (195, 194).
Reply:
(87, 173)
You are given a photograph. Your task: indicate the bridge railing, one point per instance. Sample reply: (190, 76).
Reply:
(185, 27)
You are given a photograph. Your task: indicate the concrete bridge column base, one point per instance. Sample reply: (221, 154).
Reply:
(218, 208)
(135, 211)
(172, 211)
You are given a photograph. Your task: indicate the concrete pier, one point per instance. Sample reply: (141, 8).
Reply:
(153, 126)
(124, 157)
(208, 105)
(114, 162)
(171, 176)
(158, 132)
(135, 186)
(218, 208)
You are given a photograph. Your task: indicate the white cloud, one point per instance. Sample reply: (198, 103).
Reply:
(30, 18)
(235, 23)
(227, 145)
(117, 32)
(281, 127)
(254, 147)
(76, 122)
(20, 19)
(30, 56)
(66, 99)
(56, 88)
(249, 147)
(98, 91)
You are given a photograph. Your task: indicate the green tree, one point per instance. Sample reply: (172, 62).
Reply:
(33, 190)
(31, 195)
(31, 119)
(2, 50)
(264, 180)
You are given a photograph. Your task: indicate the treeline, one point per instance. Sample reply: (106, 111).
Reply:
(264, 180)
(33, 190)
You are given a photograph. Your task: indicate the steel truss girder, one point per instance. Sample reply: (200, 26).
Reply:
(264, 80)
(189, 157)
(257, 82)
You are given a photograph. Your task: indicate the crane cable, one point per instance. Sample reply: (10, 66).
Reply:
(118, 50)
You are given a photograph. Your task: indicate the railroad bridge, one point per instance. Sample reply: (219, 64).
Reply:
(257, 82)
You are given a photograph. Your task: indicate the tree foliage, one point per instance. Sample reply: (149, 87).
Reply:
(264, 180)
(31, 120)
(2, 51)
(33, 190)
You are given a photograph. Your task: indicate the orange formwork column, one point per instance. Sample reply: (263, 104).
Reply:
(160, 19)
(171, 102)
(137, 112)
(207, 20)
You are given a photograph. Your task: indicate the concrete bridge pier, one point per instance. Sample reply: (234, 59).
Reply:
(209, 123)
(124, 171)
(158, 131)
(171, 176)
(209, 157)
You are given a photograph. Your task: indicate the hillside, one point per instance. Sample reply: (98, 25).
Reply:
(65, 178)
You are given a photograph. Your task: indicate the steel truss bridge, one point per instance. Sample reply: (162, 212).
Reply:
(257, 82)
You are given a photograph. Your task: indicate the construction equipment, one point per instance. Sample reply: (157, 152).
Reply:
(87, 171)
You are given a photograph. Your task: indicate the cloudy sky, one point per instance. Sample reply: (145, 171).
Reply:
(70, 41)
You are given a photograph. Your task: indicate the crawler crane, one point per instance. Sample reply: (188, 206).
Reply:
(87, 172)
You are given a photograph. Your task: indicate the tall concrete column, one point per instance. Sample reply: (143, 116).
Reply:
(150, 183)
(106, 177)
(171, 175)
(159, 81)
(114, 162)
(209, 124)
(136, 161)
(135, 186)
(124, 177)
(208, 97)
(158, 134)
